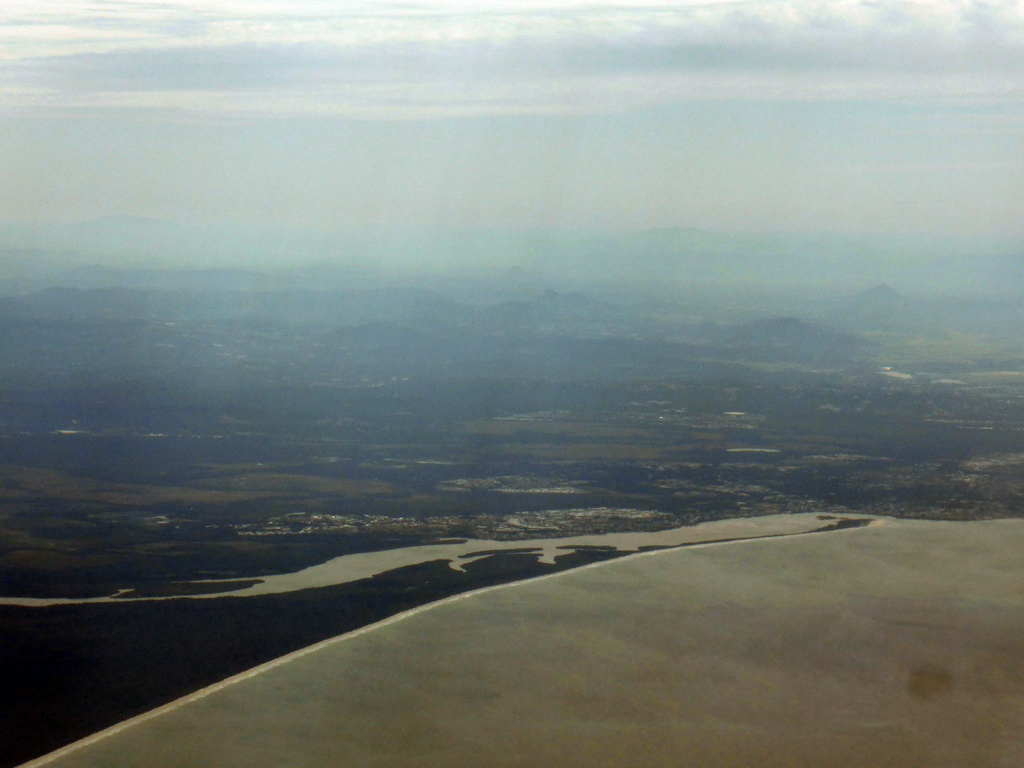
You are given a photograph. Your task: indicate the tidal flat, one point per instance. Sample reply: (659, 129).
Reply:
(76, 667)
(896, 644)
(354, 567)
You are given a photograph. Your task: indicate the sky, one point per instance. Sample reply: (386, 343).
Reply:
(843, 116)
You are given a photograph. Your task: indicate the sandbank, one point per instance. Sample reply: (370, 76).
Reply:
(890, 645)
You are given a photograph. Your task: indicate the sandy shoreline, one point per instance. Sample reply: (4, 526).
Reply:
(349, 568)
(738, 531)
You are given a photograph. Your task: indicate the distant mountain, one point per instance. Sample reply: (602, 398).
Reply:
(71, 303)
(207, 302)
(880, 298)
(665, 260)
(880, 308)
(792, 339)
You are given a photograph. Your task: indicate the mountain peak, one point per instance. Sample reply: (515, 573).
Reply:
(881, 292)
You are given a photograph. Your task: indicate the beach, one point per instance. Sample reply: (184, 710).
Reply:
(892, 644)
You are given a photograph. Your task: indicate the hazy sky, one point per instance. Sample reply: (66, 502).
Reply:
(844, 115)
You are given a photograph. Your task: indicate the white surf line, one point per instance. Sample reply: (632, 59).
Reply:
(204, 692)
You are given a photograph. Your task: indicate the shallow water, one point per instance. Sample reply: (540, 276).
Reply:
(363, 565)
(891, 645)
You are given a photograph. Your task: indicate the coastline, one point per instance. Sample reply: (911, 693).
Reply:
(899, 644)
(353, 567)
(69, 749)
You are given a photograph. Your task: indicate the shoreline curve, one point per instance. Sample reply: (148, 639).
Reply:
(46, 759)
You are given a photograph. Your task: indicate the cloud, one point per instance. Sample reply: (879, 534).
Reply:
(309, 55)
